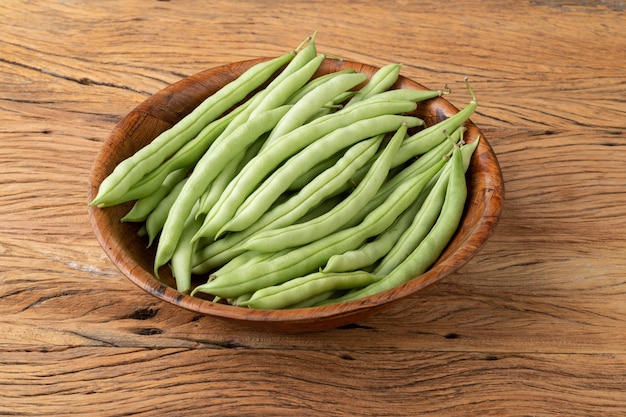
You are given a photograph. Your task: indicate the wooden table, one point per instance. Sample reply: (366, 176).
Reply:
(535, 324)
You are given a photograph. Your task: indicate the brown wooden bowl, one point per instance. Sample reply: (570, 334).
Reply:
(158, 113)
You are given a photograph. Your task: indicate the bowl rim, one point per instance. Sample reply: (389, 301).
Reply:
(492, 183)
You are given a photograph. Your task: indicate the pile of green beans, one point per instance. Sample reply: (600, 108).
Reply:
(290, 190)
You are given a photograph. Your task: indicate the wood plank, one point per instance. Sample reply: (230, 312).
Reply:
(241, 381)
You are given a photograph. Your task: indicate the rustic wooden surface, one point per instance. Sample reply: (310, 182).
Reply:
(535, 325)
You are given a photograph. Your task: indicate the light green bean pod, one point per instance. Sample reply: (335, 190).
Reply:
(132, 169)
(309, 258)
(308, 199)
(431, 247)
(302, 288)
(381, 81)
(220, 153)
(303, 233)
(144, 206)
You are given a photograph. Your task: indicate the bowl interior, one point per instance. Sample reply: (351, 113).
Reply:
(161, 111)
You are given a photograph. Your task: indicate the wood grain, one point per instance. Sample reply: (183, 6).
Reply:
(534, 325)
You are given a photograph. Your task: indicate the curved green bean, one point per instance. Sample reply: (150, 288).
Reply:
(225, 176)
(156, 219)
(428, 138)
(261, 199)
(286, 146)
(132, 169)
(315, 83)
(311, 102)
(183, 254)
(186, 157)
(300, 289)
(309, 258)
(380, 81)
(371, 251)
(144, 206)
(419, 228)
(435, 241)
(305, 201)
(204, 172)
(302, 233)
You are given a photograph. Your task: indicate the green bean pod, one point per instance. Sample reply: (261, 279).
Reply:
(225, 176)
(204, 172)
(156, 219)
(435, 241)
(308, 176)
(144, 206)
(309, 258)
(428, 138)
(419, 228)
(311, 102)
(132, 169)
(305, 201)
(372, 251)
(303, 233)
(297, 71)
(380, 81)
(287, 145)
(183, 254)
(300, 289)
(260, 200)
(316, 82)
(186, 157)
(427, 215)
(303, 56)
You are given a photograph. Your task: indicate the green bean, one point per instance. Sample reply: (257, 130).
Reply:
(298, 71)
(287, 145)
(268, 97)
(260, 200)
(420, 165)
(204, 172)
(143, 207)
(242, 259)
(419, 228)
(308, 258)
(303, 56)
(380, 81)
(183, 254)
(307, 200)
(247, 257)
(428, 138)
(316, 82)
(185, 157)
(302, 233)
(435, 241)
(226, 175)
(279, 94)
(308, 176)
(371, 251)
(427, 159)
(421, 162)
(311, 102)
(156, 219)
(312, 300)
(319, 209)
(403, 94)
(302, 288)
(132, 169)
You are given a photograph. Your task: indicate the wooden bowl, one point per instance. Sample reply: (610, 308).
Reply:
(158, 113)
